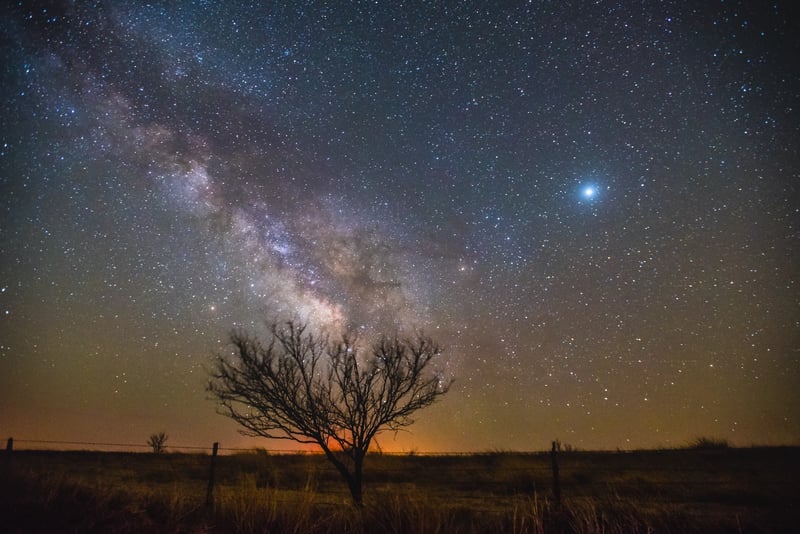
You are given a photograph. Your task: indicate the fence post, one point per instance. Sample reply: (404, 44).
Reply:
(210, 492)
(556, 482)
(10, 445)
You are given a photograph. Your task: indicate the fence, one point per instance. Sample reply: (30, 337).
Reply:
(130, 446)
(558, 474)
(215, 448)
(46, 444)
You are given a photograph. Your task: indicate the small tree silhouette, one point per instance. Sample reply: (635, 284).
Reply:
(310, 389)
(157, 442)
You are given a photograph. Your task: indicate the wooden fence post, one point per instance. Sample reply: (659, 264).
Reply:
(5, 463)
(556, 482)
(210, 492)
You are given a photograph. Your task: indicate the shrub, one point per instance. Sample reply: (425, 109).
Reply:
(706, 443)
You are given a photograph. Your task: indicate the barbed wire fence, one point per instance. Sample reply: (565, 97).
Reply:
(558, 470)
(46, 444)
(130, 446)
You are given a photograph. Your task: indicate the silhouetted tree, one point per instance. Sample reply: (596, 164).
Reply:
(309, 389)
(157, 442)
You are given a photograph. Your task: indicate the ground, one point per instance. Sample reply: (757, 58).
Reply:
(691, 490)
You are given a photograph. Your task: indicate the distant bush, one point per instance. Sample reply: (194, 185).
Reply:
(157, 442)
(565, 447)
(706, 443)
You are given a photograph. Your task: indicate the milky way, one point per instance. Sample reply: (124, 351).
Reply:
(592, 207)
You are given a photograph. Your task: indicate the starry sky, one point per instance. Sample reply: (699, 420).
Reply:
(592, 206)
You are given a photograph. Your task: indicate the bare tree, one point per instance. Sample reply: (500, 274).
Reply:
(309, 389)
(157, 442)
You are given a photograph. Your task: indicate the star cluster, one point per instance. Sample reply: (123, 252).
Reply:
(593, 208)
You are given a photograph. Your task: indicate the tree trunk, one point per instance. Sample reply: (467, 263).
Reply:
(355, 489)
(353, 479)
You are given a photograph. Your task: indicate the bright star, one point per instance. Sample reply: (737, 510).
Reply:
(589, 191)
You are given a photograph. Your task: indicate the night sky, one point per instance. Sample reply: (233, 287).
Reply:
(592, 206)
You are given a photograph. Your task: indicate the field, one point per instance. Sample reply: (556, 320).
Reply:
(688, 490)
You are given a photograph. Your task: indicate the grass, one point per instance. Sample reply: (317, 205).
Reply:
(697, 489)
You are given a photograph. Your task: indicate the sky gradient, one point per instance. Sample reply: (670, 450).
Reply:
(592, 207)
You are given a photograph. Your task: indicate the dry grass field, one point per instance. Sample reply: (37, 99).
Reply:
(688, 490)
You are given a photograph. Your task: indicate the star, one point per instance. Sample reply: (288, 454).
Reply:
(170, 173)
